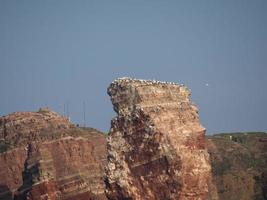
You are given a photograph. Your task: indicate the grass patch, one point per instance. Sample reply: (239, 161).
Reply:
(4, 146)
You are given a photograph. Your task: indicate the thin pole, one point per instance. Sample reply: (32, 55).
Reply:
(64, 111)
(84, 124)
(68, 116)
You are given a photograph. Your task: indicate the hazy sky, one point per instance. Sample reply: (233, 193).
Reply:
(65, 52)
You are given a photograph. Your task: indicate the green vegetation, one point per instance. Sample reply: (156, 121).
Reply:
(240, 134)
(43, 110)
(239, 163)
(4, 146)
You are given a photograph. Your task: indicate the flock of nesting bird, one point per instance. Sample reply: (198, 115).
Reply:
(128, 79)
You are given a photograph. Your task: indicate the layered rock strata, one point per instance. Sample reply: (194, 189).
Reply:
(11, 167)
(18, 128)
(156, 144)
(46, 157)
(67, 168)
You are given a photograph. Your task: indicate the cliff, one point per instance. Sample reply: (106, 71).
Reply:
(11, 167)
(18, 128)
(239, 165)
(45, 157)
(156, 151)
(156, 144)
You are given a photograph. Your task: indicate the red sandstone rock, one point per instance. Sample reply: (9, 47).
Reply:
(19, 128)
(48, 158)
(11, 167)
(156, 144)
(68, 168)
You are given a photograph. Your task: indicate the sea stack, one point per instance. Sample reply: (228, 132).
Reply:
(156, 144)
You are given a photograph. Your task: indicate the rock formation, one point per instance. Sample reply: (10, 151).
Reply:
(156, 151)
(156, 144)
(46, 157)
(18, 128)
(67, 168)
(11, 167)
(239, 165)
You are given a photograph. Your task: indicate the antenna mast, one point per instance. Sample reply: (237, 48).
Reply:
(64, 110)
(84, 124)
(68, 116)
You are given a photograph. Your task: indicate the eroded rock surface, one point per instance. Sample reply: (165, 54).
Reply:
(11, 167)
(46, 157)
(67, 168)
(156, 144)
(18, 128)
(239, 163)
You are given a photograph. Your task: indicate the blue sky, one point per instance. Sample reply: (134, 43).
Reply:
(67, 52)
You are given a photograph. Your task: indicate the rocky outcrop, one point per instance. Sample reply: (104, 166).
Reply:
(46, 157)
(67, 168)
(156, 151)
(18, 128)
(239, 163)
(156, 144)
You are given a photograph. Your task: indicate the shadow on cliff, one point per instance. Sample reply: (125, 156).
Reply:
(5, 193)
(27, 178)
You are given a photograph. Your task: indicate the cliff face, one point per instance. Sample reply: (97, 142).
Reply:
(11, 167)
(46, 157)
(19, 128)
(64, 168)
(156, 151)
(239, 163)
(156, 144)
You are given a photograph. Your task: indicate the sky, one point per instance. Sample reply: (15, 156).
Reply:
(56, 53)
